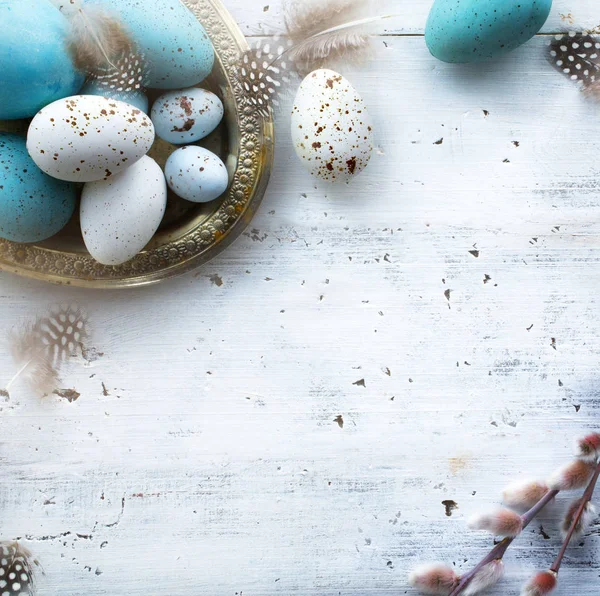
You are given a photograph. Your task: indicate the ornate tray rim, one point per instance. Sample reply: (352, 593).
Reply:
(252, 136)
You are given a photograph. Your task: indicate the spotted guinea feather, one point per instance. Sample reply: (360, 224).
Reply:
(316, 31)
(263, 75)
(40, 347)
(17, 570)
(127, 77)
(102, 47)
(577, 56)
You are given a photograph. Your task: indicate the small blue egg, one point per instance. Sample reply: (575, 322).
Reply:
(196, 174)
(462, 31)
(36, 68)
(33, 206)
(137, 99)
(176, 46)
(186, 116)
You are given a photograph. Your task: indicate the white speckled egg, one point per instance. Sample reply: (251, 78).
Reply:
(196, 174)
(85, 138)
(186, 116)
(119, 216)
(331, 128)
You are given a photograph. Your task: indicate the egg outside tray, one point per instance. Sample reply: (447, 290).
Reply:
(182, 218)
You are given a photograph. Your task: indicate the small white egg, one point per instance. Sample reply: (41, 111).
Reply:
(119, 216)
(86, 138)
(186, 116)
(196, 174)
(331, 128)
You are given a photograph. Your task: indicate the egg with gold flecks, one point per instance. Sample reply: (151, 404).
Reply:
(463, 31)
(332, 131)
(196, 174)
(119, 216)
(87, 138)
(186, 116)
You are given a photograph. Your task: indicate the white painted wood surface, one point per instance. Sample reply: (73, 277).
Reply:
(204, 454)
(265, 17)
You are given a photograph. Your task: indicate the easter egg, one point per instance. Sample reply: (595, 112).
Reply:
(196, 174)
(176, 46)
(33, 206)
(137, 99)
(86, 138)
(331, 128)
(474, 31)
(182, 117)
(35, 66)
(119, 216)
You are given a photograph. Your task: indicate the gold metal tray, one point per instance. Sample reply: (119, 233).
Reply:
(191, 234)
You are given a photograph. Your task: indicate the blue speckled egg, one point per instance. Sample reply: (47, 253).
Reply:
(475, 30)
(138, 99)
(196, 174)
(176, 46)
(186, 116)
(33, 206)
(35, 66)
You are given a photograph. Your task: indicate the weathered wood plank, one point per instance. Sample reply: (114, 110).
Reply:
(266, 18)
(205, 454)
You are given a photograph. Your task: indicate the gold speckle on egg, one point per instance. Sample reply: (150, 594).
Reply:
(337, 144)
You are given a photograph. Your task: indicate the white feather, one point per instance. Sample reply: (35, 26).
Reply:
(324, 29)
(317, 31)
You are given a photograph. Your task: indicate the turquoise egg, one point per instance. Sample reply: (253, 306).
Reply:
(176, 46)
(33, 206)
(35, 66)
(475, 30)
(137, 99)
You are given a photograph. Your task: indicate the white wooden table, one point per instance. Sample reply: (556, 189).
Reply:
(289, 419)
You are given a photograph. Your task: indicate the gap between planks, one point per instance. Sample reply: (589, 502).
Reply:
(547, 34)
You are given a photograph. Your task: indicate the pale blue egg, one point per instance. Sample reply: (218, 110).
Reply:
(186, 116)
(196, 174)
(137, 99)
(176, 46)
(33, 206)
(475, 30)
(35, 66)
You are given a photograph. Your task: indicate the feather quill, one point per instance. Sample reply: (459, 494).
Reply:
(39, 348)
(17, 570)
(317, 31)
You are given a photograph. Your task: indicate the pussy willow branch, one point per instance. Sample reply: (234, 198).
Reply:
(500, 549)
(587, 497)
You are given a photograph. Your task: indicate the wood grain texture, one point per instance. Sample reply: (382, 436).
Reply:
(266, 17)
(289, 419)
